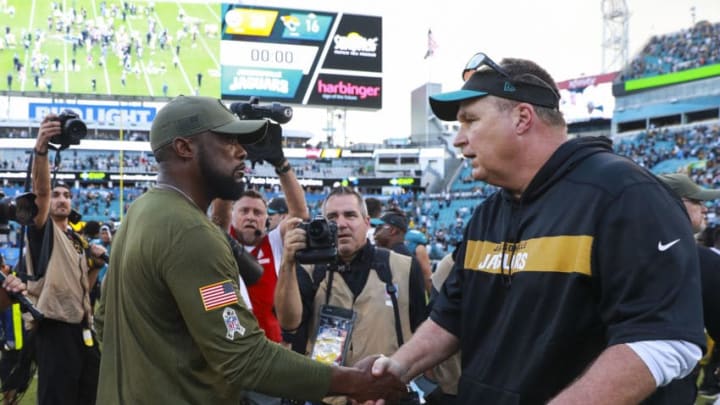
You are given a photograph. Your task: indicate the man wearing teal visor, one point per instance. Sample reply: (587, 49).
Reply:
(560, 292)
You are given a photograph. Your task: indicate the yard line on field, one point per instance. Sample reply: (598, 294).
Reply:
(204, 44)
(148, 83)
(180, 65)
(147, 78)
(65, 58)
(107, 78)
(217, 17)
(209, 52)
(27, 53)
(100, 58)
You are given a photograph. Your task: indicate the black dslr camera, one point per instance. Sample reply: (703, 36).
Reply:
(72, 129)
(321, 242)
(21, 209)
(253, 110)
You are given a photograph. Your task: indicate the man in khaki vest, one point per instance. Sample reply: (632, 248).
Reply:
(62, 267)
(356, 288)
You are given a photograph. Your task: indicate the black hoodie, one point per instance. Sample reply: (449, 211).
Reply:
(595, 252)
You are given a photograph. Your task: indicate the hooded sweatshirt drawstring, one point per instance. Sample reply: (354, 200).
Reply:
(514, 230)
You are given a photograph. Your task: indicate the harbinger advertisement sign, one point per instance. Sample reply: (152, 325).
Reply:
(347, 91)
(299, 56)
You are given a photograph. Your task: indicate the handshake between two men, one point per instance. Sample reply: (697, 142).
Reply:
(377, 382)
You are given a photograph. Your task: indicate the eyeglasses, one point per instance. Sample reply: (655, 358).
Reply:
(479, 60)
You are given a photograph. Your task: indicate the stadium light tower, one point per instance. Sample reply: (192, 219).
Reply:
(616, 20)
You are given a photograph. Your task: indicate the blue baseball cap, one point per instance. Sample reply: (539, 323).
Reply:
(376, 221)
(397, 220)
(277, 205)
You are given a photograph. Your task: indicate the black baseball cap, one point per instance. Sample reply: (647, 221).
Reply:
(397, 220)
(277, 205)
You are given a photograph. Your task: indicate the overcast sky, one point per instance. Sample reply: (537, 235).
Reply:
(563, 36)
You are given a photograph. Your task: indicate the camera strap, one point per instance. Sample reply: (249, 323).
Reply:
(329, 288)
(40, 268)
(381, 264)
(21, 268)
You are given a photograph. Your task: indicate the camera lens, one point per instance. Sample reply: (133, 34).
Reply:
(76, 129)
(316, 229)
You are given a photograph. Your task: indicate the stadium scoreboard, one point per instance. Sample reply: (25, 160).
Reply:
(303, 57)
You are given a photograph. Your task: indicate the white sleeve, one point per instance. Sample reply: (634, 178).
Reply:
(244, 293)
(667, 359)
(276, 245)
(371, 235)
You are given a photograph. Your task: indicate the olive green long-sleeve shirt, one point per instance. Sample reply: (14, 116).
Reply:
(173, 327)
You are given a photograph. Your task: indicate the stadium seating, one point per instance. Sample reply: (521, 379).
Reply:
(687, 49)
(693, 148)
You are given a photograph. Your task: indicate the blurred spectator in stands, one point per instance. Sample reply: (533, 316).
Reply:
(91, 230)
(390, 233)
(104, 240)
(437, 250)
(374, 208)
(686, 49)
(277, 211)
(417, 244)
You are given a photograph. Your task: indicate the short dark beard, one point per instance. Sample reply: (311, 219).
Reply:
(219, 185)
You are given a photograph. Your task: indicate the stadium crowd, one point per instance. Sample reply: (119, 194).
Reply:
(198, 167)
(694, 149)
(687, 49)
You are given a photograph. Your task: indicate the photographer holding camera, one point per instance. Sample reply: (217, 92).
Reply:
(61, 268)
(374, 297)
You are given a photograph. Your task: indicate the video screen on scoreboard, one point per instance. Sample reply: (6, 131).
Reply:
(106, 49)
(587, 98)
(300, 56)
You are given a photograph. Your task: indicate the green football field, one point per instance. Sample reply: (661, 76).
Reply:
(194, 27)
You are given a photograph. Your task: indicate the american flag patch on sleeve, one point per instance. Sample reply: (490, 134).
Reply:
(218, 295)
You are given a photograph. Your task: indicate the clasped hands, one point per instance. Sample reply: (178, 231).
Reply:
(382, 383)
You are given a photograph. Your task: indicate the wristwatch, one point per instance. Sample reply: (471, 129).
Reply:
(283, 168)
